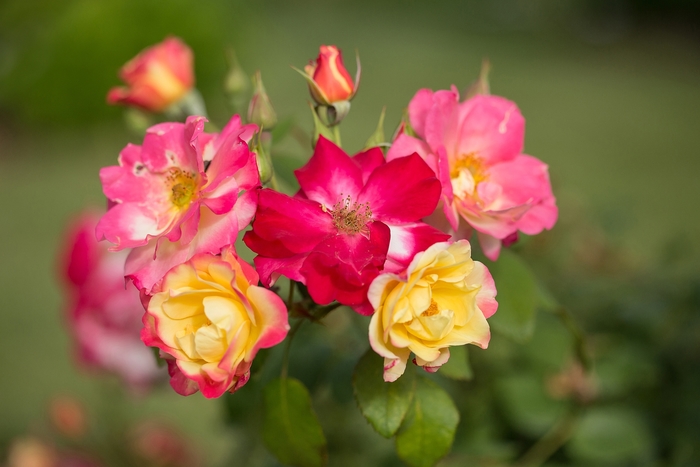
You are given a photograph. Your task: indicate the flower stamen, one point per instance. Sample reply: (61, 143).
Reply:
(349, 217)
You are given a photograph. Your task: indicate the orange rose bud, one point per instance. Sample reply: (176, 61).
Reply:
(158, 77)
(332, 81)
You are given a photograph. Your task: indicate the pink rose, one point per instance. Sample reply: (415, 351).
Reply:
(104, 313)
(181, 193)
(352, 218)
(475, 149)
(157, 77)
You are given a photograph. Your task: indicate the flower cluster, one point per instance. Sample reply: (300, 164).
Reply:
(378, 233)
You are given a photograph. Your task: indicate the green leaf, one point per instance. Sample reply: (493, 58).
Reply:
(291, 430)
(428, 430)
(377, 137)
(383, 404)
(517, 297)
(611, 435)
(457, 367)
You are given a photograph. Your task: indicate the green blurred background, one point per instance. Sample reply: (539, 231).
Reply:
(610, 91)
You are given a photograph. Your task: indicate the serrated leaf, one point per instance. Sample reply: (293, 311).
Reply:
(457, 367)
(517, 297)
(383, 404)
(428, 430)
(291, 430)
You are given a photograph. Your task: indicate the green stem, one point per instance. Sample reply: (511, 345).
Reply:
(580, 344)
(550, 442)
(290, 337)
(336, 135)
(290, 296)
(324, 311)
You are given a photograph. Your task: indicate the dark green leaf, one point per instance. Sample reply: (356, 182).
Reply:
(457, 367)
(611, 435)
(291, 430)
(428, 430)
(517, 297)
(383, 404)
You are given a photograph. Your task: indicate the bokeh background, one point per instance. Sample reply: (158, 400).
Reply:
(611, 94)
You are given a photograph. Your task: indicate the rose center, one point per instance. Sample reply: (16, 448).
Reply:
(472, 164)
(183, 186)
(349, 217)
(432, 310)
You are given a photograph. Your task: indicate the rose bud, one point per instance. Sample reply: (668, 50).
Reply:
(260, 109)
(158, 77)
(332, 81)
(330, 85)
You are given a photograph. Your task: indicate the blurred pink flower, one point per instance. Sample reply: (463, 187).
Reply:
(475, 148)
(181, 193)
(352, 218)
(104, 312)
(157, 77)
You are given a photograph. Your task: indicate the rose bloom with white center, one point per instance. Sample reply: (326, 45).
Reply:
(441, 300)
(209, 319)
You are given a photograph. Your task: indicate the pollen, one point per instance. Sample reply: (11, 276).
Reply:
(349, 217)
(471, 163)
(432, 309)
(183, 186)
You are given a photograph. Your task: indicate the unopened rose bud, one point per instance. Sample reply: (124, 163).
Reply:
(262, 157)
(236, 84)
(331, 81)
(157, 78)
(260, 110)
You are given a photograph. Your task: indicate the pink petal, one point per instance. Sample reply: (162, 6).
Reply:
(330, 175)
(170, 144)
(368, 161)
(406, 145)
(490, 127)
(407, 240)
(406, 198)
(270, 269)
(418, 110)
(491, 246)
(297, 223)
(127, 226)
(342, 266)
(441, 124)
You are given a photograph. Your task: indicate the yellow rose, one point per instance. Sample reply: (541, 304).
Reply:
(211, 318)
(443, 299)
